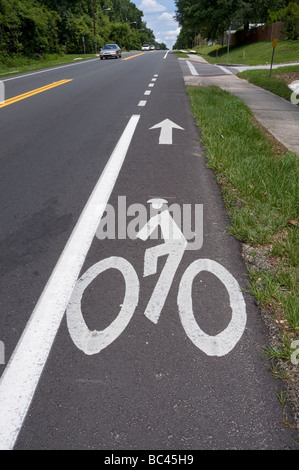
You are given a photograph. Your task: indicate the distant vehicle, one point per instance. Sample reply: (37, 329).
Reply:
(152, 48)
(145, 47)
(110, 50)
(157, 48)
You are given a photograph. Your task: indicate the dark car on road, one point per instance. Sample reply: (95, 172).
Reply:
(110, 50)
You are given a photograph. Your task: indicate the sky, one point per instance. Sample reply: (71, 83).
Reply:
(158, 15)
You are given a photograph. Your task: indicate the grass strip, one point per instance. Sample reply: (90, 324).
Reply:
(257, 53)
(277, 83)
(260, 185)
(181, 55)
(20, 64)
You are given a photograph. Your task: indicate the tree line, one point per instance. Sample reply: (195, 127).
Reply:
(39, 27)
(211, 19)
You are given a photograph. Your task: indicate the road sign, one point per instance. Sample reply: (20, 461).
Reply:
(174, 245)
(274, 44)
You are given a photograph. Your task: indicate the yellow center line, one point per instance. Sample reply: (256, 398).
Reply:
(132, 56)
(32, 93)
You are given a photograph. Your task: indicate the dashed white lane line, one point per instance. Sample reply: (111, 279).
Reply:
(21, 376)
(148, 92)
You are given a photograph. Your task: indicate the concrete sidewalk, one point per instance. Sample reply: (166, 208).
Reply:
(277, 115)
(197, 58)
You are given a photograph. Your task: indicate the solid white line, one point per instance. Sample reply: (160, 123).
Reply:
(225, 70)
(166, 55)
(191, 68)
(2, 92)
(47, 70)
(142, 103)
(21, 376)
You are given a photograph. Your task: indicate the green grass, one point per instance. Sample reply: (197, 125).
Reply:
(276, 84)
(260, 187)
(180, 54)
(20, 64)
(258, 53)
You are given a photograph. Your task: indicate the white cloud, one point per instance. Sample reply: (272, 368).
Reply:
(151, 6)
(167, 18)
(160, 19)
(172, 35)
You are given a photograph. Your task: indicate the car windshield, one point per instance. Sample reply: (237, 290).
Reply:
(110, 46)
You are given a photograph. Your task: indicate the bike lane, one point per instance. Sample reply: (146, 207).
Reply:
(153, 388)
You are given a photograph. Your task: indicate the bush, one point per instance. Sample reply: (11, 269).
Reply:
(290, 17)
(28, 27)
(76, 28)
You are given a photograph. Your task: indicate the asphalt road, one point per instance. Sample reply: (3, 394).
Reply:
(150, 381)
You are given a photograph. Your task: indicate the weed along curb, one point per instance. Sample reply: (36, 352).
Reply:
(259, 178)
(282, 82)
(266, 107)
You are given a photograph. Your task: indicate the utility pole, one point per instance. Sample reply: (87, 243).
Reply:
(274, 44)
(94, 17)
(94, 13)
(228, 42)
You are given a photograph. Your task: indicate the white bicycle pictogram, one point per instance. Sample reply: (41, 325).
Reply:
(174, 246)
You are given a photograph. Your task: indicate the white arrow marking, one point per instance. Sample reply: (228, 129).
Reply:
(166, 131)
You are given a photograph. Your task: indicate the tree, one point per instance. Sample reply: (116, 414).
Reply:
(126, 11)
(28, 27)
(44, 26)
(256, 11)
(184, 39)
(212, 19)
(290, 17)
